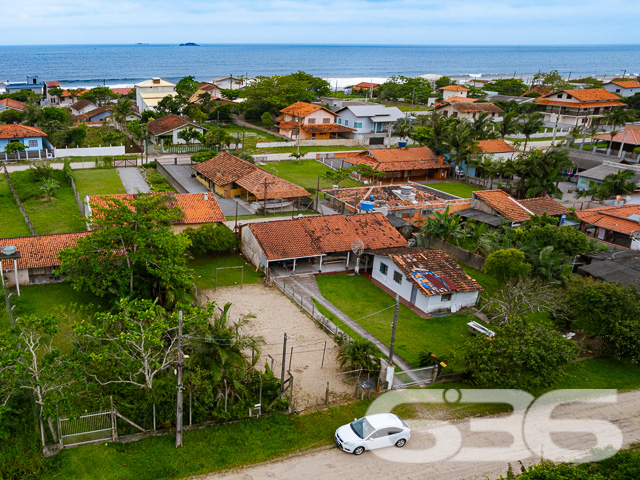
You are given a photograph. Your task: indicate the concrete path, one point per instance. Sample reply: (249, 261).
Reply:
(182, 175)
(309, 285)
(132, 180)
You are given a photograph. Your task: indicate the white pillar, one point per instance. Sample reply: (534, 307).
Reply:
(320, 270)
(348, 253)
(15, 267)
(294, 266)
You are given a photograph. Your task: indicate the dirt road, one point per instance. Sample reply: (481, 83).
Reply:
(330, 463)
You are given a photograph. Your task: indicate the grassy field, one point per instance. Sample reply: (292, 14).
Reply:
(458, 189)
(328, 148)
(602, 373)
(11, 222)
(98, 181)
(487, 282)
(205, 270)
(306, 174)
(358, 298)
(59, 214)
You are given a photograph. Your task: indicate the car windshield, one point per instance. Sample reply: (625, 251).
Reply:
(362, 428)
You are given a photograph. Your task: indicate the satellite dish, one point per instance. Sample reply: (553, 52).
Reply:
(357, 246)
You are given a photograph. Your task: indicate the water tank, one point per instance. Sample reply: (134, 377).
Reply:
(402, 144)
(9, 250)
(366, 205)
(406, 190)
(371, 198)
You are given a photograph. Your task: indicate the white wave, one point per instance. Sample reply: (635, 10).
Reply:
(342, 82)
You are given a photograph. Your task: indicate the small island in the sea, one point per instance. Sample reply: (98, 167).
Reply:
(189, 44)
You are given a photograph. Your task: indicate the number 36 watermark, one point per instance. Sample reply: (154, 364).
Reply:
(561, 426)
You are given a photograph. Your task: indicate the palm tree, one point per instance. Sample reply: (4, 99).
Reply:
(48, 186)
(506, 169)
(123, 108)
(443, 226)
(482, 126)
(433, 136)
(509, 125)
(591, 131)
(615, 117)
(575, 133)
(615, 184)
(459, 139)
(546, 172)
(530, 125)
(403, 128)
(357, 354)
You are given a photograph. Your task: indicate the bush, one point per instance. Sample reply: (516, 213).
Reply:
(203, 156)
(211, 238)
(40, 171)
(507, 264)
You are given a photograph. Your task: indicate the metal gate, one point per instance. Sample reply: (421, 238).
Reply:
(93, 427)
(417, 376)
(125, 162)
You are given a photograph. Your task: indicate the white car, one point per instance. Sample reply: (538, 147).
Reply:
(371, 432)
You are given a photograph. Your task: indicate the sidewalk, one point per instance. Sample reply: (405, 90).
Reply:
(308, 285)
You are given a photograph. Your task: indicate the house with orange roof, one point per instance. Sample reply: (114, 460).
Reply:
(197, 208)
(232, 177)
(38, 257)
(577, 107)
(362, 87)
(311, 122)
(317, 244)
(624, 88)
(35, 141)
(69, 97)
(626, 140)
(168, 128)
(11, 104)
(469, 111)
(498, 150)
(619, 225)
(453, 91)
(399, 165)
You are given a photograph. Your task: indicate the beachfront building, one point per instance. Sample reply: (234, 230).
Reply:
(32, 84)
(150, 92)
(624, 88)
(311, 122)
(469, 111)
(168, 127)
(570, 108)
(34, 140)
(453, 91)
(399, 165)
(372, 122)
(69, 97)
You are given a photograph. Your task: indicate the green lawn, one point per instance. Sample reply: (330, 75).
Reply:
(357, 297)
(458, 189)
(602, 373)
(306, 174)
(59, 214)
(98, 181)
(157, 181)
(205, 271)
(328, 148)
(487, 282)
(11, 222)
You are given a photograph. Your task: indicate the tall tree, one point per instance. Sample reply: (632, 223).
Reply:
(615, 117)
(123, 108)
(186, 87)
(509, 124)
(529, 125)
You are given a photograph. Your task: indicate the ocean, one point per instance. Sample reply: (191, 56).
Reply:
(124, 65)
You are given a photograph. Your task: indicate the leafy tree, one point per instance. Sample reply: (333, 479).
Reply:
(230, 94)
(189, 134)
(357, 354)
(267, 120)
(170, 105)
(246, 156)
(336, 176)
(76, 136)
(444, 81)
(132, 251)
(10, 116)
(530, 124)
(565, 240)
(633, 101)
(221, 112)
(99, 95)
(25, 96)
(14, 147)
(523, 298)
(414, 89)
(54, 119)
(507, 265)
(186, 87)
(55, 91)
(218, 137)
(590, 82)
(507, 86)
(368, 172)
(525, 355)
(40, 171)
(552, 78)
(211, 238)
(136, 129)
(443, 226)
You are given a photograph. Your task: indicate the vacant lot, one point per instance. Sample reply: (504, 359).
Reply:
(275, 315)
(458, 189)
(206, 265)
(11, 222)
(306, 174)
(98, 181)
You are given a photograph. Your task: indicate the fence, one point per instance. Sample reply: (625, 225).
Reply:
(460, 254)
(90, 151)
(29, 155)
(79, 202)
(125, 162)
(416, 376)
(89, 428)
(192, 148)
(20, 206)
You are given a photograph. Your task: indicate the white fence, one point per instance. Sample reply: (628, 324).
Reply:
(90, 151)
(335, 142)
(283, 157)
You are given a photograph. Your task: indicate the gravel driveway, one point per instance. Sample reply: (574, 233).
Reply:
(132, 180)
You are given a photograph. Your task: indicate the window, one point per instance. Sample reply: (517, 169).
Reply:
(33, 143)
(397, 277)
(313, 136)
(357, 124)
(384, 268)
(445, 298)
(561, 95)
(340, 121)
(311, 121)
(346, 123)
(326, 120)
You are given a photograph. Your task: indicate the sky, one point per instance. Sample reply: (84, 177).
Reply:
(359, 22)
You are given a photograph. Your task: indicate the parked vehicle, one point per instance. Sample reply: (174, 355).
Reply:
(371, 432)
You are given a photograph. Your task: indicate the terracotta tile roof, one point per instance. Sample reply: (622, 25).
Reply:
(68, 93)
(397, 159)
(168, 123)
(541, 89)
(494, 146)
(20, 131)
(96, 111)
(589, 94)
(361, 159)
(547, 101)
(365, 86)
(287, 125)
(314, 236)
(41, 251)
(541, 205)
(80, 104)
(226, 168)
(612, 218)
(53, 83)
(454, 88)
(327, 128)
(460, 100)
(195, 208)
(630, 135)
(626, 83)
(11, 103)
(476, 107)
(432, 271)
(303, 109)
(504, 204)
(385, 155)
(121, 91)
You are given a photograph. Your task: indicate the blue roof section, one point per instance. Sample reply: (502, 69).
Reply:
(430, 280)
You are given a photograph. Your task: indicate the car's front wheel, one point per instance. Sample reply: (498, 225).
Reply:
(358, 451)
(400, 443)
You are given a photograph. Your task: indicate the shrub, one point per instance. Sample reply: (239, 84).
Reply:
(203, 156)
(507, 264)
(211, 238)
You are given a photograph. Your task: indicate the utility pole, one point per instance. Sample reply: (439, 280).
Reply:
(298, 139)
(393, 329)
(284, 358)
(180, 367)
(266, 184)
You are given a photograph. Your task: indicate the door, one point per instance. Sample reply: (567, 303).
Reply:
(414, 294)
(379, 439)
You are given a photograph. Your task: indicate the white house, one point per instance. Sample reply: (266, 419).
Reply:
(82, 106)
(169, 126)
(371, 122)
(428, 279)
(624, 88)
(453, 91)
(150, 92)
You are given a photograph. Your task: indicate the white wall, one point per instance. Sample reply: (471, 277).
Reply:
(404, 289)
(251, 249)
(90, 151)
